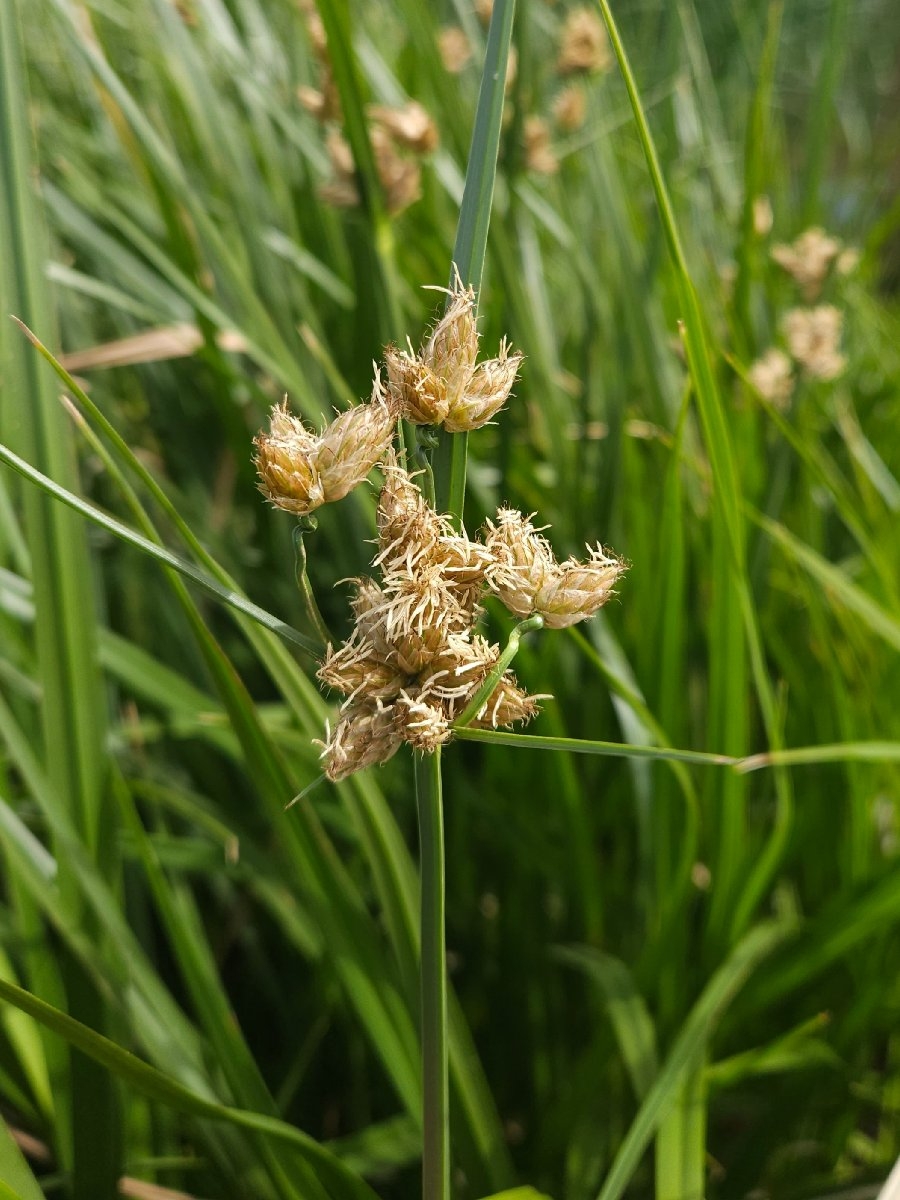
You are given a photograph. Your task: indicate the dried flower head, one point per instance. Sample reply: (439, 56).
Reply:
(367, 732)
(528, 579)
(813, 337)
(286, 461)
(507, 705)
(539, 154)
(443, 384)
(485, 394)
(570, 108)
(419, 392)
(773, 377)
(408, 528)
(357, 668)
(452, 349)
(808, 260)
(584, 45)
(425, 726)
(299, 470)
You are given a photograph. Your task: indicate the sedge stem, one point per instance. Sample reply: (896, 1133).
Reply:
(306, 593)
(488, 687)
(433, 979)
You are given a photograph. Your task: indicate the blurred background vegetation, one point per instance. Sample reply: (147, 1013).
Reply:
(168, 179)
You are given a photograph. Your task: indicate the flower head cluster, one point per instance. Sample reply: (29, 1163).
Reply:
(443, 384)
(414, 660)
(813, 337)
(813, 333)
(300, 470)
(526, 576)
(808, 260)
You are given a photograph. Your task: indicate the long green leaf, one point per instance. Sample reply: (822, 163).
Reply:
(688, 1048)
(158, 1086)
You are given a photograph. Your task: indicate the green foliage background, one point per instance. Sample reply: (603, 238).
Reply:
(642, 952)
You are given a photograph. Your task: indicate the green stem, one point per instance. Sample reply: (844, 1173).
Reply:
(433, 976)
(484, 693)
(313, 614)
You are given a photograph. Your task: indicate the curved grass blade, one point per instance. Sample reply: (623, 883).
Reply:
(182, 566)
(342, 1184)
(17, 1181)
(837, 752)
(689, 1048)
(628, 1015)
(529, 741)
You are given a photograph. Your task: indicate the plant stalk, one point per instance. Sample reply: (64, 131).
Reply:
(433, 976)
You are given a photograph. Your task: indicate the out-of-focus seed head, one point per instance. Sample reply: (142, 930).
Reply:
(484, 9)
(540, 156)
(570, 108)
(763, 216)
(420, 394)
(773, 377)
(353, 443)
(455, 49)
(487, 391)
(808, 260)
(813, 337)
(584, 46)
(399, 175)
(286, 461)
(410, 126)
(368, 732)
(452, 349)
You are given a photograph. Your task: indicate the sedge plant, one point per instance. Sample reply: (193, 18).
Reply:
(668, 884)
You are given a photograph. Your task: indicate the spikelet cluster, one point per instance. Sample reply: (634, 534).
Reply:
(300, 470)
(442, 383)
(584, 46)
(526, 576)
(808, 260)
(414, 659)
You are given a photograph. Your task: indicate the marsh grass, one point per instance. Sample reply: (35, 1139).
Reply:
(667, 974)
